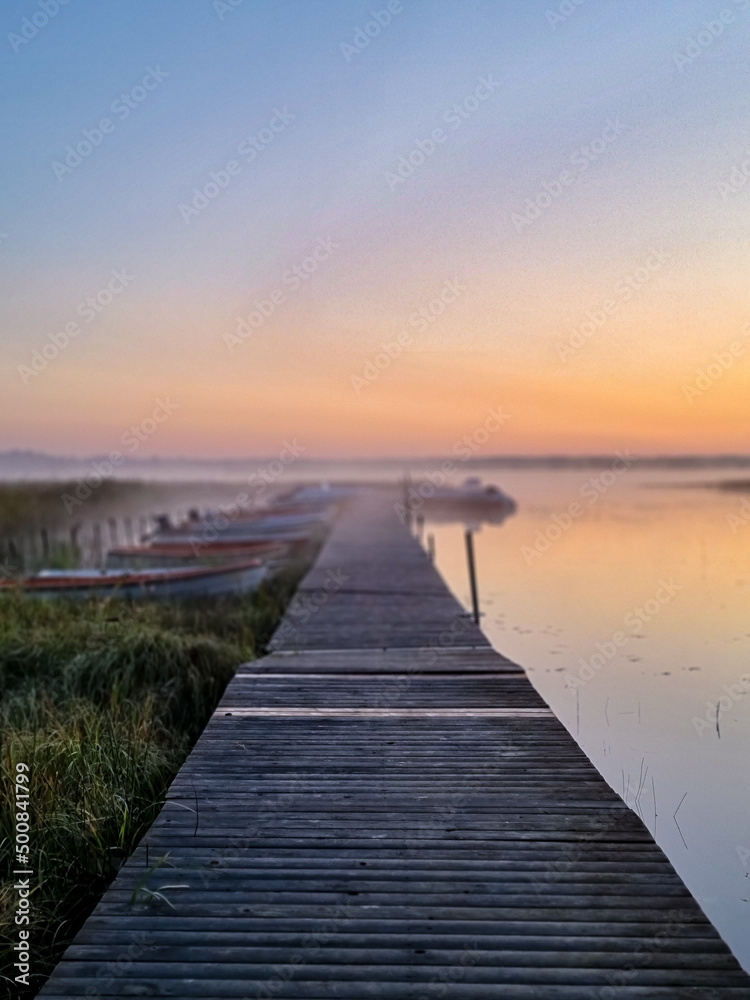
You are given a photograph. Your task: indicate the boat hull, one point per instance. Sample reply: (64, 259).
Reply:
(164, 584)
(178, 555)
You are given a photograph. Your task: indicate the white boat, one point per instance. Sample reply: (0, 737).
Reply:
(175, 553)
(474, 490)
(155, 584)
(472, 500)
(214, 526)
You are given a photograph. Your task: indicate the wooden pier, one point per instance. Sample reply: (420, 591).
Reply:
(384, 807)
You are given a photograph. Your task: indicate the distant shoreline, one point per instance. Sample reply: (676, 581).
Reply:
(736, 485)
(27, 466)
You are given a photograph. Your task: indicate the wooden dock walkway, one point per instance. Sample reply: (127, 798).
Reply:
(385, 808)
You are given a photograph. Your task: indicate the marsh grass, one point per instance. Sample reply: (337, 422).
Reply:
(25, 504)
(103, 700)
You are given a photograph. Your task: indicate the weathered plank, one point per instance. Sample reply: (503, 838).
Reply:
(385, 807)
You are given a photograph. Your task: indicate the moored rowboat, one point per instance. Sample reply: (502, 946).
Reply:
(174, 553)
(471, 501)
(266, 527)
(158, 583)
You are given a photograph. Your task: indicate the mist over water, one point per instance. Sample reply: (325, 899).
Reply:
(623, 590)
(631, 618)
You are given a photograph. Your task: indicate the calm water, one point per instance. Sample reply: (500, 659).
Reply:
(653, 584)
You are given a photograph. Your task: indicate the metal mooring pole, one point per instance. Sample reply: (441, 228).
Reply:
(420, 526)
(407, 500)
(472, 573)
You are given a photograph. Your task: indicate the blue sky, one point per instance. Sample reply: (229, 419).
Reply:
(226, 73)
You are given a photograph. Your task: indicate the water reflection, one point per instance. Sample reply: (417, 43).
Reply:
(631, 616)
(471, 503)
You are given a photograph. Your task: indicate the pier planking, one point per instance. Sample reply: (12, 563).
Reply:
(385, 807)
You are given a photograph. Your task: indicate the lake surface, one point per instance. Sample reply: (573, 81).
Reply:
(634, 625)
(626, 597)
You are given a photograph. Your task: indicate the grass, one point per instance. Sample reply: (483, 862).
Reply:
(24, 504)
(103, 700)
(29, 509)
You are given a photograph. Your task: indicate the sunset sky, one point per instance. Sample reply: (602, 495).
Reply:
(626, 123)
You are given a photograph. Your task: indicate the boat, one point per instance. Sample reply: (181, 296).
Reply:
(153, 584)
(472, 500)
(256, 527)
(174, 553)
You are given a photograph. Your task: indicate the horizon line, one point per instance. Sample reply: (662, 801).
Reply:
(31, 454)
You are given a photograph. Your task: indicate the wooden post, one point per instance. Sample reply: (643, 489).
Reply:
(128, 525)
(44, 536)
(97, 549)
(75, 548)
(10, 557)
(407, 500)
(431, 547)
(14, 555)
(113, 531)
(472, 574)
